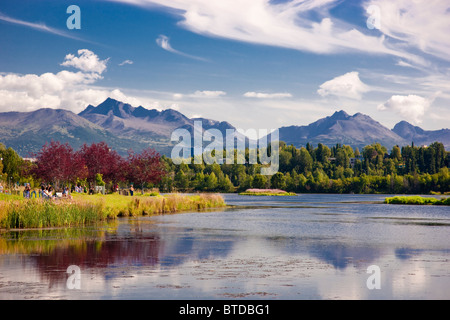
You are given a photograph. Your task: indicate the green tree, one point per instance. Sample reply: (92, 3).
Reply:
(12, 163)
(247, 183)
(440, 154)
(259, 181)
(278, 181)
(211, 182)
(396, 154)
(199, 181)
(237, 174)
(430, 160)
(99, 180)
(181, 180)
(285, 158)
(224, 184)
(304, 164)
(342, 158)
(322, 153)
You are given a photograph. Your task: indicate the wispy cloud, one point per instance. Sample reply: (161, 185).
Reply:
(422, 25)
(201, 94)
(286, 24)
(262, 95)
(126, 62)
(163, 42)
(39, 27)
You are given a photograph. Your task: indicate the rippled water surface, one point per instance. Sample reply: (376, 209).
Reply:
(301, 247)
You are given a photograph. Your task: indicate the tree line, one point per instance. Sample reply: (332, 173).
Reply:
(339, 169)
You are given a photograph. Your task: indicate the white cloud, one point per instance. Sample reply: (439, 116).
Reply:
(178, 96)
(423, 24)
(163, 42)
(411, 107)
(262, 95)
(286, 24)
(348, 86)
(126, 62)
(87, 61)
(65, 89)
(207, 94)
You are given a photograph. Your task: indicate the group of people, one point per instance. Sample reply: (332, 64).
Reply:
(27, 191)
(78, 189)
(47, 191)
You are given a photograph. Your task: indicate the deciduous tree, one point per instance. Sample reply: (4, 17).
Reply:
(145, 167)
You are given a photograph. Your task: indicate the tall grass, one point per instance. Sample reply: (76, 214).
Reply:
(37, 213)
(417, 200)
(86, 209)
(119, 206)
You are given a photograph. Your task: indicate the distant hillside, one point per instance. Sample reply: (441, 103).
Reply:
(358, 130)
(120, 125)
(422, 137)
(149, 126)
(27, 132)
(125, 127)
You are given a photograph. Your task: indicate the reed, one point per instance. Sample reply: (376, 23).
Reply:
(88, 209)
(37, 213)
(154, 205)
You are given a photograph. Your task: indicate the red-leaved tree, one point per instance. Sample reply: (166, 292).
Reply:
(57, 163)
(99, 158)
(145, 167)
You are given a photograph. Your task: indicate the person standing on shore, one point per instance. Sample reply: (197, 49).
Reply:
(131, 190)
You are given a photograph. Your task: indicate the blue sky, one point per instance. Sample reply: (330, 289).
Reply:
(254, 63)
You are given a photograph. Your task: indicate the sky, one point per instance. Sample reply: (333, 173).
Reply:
(257, 64)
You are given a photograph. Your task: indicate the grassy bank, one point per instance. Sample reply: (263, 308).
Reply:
(16, 212)
(417, 200)
(266, 192)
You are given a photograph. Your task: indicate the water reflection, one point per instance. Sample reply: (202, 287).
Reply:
(341, 256)
(283, 252)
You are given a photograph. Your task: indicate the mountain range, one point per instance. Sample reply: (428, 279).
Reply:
(360, 130)
(125, 127)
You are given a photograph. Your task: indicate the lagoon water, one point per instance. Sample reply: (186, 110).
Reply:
(308, 246)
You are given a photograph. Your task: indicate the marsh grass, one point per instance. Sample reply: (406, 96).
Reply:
(37, 213)
(417, 200)
(120, 206)
(88, 209)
